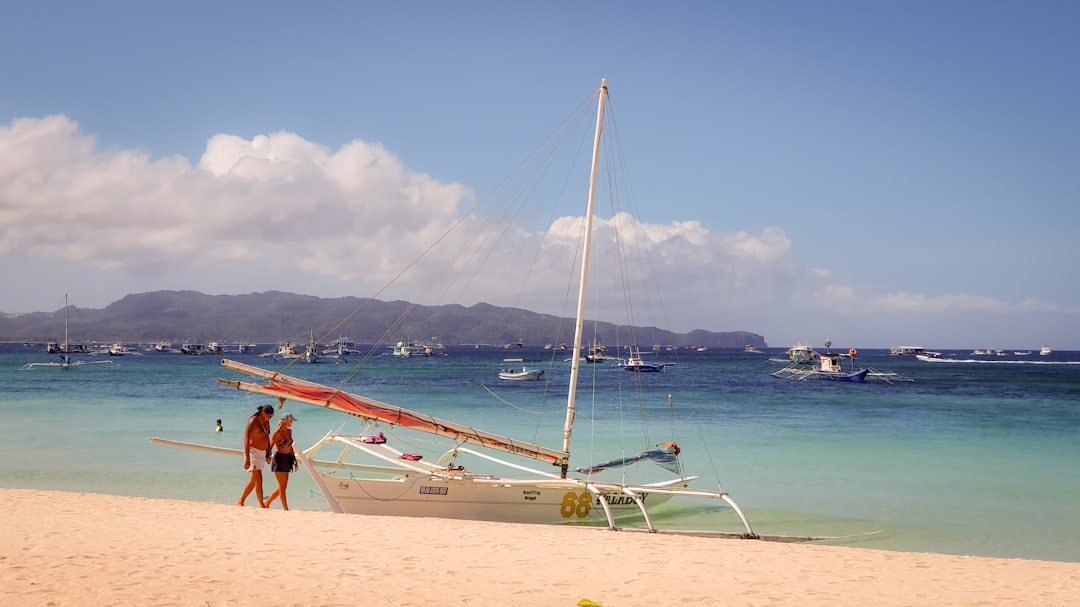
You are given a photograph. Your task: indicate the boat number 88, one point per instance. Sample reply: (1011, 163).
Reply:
(576, 504)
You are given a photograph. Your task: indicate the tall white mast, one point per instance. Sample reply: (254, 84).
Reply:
(575, 366)
(66, 350)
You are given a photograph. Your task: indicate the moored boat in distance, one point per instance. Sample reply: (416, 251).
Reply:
(65, 349)
(523, 374)
(286, 349)
(828, 367)
(1044, 351)
(635, 364)
(163, 346)
(403, 349)
(311, 355)
(341, 346)
(598, 354)
(797, 354)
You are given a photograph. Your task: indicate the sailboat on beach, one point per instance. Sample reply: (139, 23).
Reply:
(388, 480)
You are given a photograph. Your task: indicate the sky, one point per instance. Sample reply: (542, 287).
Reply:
(873, 173)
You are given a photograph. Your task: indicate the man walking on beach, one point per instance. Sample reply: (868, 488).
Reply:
(256, 451)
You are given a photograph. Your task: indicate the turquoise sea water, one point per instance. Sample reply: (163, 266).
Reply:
(977, 458)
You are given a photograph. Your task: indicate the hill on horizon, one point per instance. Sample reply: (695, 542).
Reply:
(274, 316)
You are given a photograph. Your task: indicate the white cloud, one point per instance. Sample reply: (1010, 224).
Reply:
(904, 302)
(280, 212)
(837, 295)
(770, 245)
(275, 199)
(355, 215)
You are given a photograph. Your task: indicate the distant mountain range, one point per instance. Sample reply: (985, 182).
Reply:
(273, 316)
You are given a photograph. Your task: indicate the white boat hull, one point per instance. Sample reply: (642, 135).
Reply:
(496, 500)
(521, 375)
(554, 501)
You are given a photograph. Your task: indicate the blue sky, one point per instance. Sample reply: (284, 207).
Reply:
(909, 170)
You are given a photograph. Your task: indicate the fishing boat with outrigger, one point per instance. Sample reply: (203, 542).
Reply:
(800, 354)
(403, 349)
(394, 481)
(65, 349)
(635, 363)
(829, 366)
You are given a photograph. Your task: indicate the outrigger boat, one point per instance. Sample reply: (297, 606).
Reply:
(65, 349)
(405, 484)
(797, 354)
(635, 364)
(828, 367)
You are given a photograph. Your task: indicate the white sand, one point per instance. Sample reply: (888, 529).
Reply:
(85, 549)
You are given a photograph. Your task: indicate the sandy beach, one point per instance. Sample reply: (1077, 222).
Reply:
(88, 549)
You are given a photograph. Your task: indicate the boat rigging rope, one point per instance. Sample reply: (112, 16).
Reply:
(512, 405)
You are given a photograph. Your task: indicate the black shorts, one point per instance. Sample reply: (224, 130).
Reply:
(283, 462)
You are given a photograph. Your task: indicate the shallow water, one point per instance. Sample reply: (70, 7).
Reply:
(974, 458)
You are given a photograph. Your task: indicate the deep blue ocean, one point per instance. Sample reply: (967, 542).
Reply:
(973, 458)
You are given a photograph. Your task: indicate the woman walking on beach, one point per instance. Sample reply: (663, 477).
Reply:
(284, 461)
(256, 451)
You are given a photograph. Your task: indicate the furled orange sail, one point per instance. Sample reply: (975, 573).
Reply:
(284, 386)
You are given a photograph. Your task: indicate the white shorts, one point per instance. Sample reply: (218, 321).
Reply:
(258, 459)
